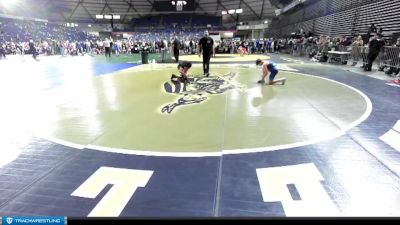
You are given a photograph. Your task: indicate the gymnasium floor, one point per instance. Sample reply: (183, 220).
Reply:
(85, 136)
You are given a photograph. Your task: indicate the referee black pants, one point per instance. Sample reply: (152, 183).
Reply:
(371, 58)
(176, 55)
(206, 63)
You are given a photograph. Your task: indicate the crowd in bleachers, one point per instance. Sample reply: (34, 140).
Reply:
(31, 30)
(29, 37)
(19, 36)
(24, 37)
(155, 34)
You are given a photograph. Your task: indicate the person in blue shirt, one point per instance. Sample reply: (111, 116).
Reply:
(258, 45)
(270, 68)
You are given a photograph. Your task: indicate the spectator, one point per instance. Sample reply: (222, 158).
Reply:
(372, 30)
(375, 45)
(2, 50)
(356, 49)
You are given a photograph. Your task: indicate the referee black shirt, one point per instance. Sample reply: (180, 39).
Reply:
(206, 45)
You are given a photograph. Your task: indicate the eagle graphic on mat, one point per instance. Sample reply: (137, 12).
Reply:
(197, 89)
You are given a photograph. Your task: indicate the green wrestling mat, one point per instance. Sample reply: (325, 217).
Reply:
(141, 109)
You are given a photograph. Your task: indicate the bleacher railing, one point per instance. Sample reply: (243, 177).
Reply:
(391, 57)
(388, 56)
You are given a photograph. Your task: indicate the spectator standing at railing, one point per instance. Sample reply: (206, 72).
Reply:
(18, 46)
(232, 47)
(107, 48)
(99, 47)
(165, 44)
(269, 42)
(381, 53)
(258, 45)
(272, 45)
(215, 48)
(356, 46)
(323, 48)
(375, 45)
(265, 49)
(55, 48)
(343, 43)
(88, 47)
(33, 50)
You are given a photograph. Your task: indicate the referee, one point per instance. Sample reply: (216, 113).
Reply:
(176, 45)
(206, 46)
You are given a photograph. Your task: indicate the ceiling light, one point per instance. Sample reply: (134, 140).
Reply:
(239, 10)
(8, 3)
(99, 17)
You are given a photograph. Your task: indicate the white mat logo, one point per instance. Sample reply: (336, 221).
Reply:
(9, 220)
(198, 89)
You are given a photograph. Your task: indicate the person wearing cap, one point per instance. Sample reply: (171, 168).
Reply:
(270, 68)
(206, 46)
